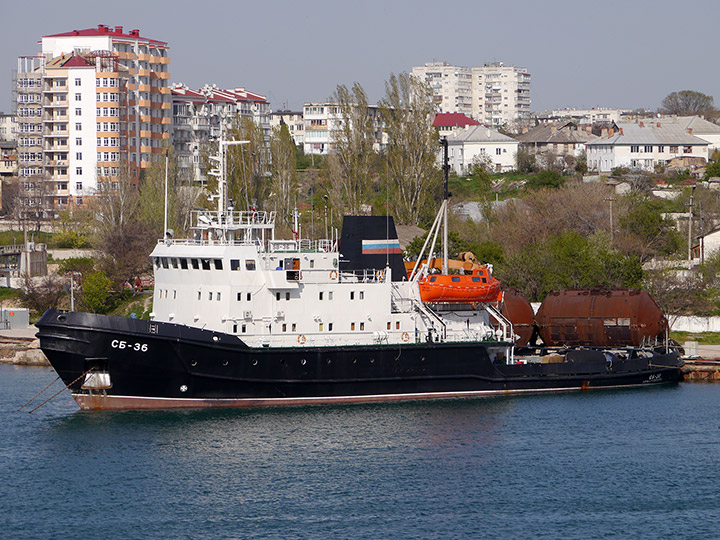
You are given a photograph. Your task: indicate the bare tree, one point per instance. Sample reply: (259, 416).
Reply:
(687, 103)
(407, 112)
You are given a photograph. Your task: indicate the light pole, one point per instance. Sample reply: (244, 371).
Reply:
(690, 207)
(72, 289)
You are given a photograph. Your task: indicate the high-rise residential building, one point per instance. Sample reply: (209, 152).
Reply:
(199, 114)
(494, 94)
(92, 106)
(451, 86)
(501, 94)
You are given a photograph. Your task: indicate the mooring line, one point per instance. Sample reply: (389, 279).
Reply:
(40, 392)
(61, 390)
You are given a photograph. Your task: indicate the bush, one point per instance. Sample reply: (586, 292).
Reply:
(71, 240)
(96, 292)
(84, 265)
(546, 178)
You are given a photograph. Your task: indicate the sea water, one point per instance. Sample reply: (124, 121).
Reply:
(632, 463)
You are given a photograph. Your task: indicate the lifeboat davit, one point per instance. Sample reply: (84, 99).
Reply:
(479, 286)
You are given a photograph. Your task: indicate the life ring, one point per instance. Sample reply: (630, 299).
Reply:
(333, 275)
(380, 275)
(301, 339)
(405, 337)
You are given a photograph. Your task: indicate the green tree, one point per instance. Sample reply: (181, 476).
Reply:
(412, 145)
(688, 103)
(96, 289)
(712, 169)
(568, 260)
(247, 164)
(352, 158)
(284, 174)
(645, 231)
(525, 162)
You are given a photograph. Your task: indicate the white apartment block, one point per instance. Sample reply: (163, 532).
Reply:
(199, 115)
(494, 94)
(294, 121)
(480, 144)
(501, 94)
(451, 86)
(582, 116)
(323, 121)
(8, 127)
(643, 145)
(95, 102)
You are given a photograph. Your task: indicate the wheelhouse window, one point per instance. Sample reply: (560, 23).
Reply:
(183, 264)
(218, 264)
(205, 264)
(250, 264)
(195, 264)
(234, 264)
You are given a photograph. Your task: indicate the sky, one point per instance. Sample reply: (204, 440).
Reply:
(619, 54)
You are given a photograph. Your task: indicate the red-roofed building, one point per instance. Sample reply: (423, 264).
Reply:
(198, 115)
(447, 122)
(92, 104)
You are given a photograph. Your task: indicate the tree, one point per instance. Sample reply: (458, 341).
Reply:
(407, 111)
(644, 230)
(525, 161)
(96, 289)
(688, 103)
(40, 294)
(352, 158)
(246, 164)
(568, 260)
(712, 169)
(284, 174)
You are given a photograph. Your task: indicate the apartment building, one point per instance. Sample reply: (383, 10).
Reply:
(501, 94)
(493, 94)
(93, 104)
(324, 120)
(451, 86)
(482, 145)
(8, 127)
(644, 145)
(294, 121)
(199, 115)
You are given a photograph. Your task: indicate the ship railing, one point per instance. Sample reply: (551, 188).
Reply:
(234, 219)
(366, 275)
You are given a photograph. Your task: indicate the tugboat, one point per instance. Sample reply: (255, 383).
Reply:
(241, 319)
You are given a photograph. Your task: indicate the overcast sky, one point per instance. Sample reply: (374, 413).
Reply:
(610, 53)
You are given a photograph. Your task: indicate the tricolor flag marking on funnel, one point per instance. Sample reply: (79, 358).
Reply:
(380, 247)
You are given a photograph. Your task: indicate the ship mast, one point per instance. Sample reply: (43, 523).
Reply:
(446, 196)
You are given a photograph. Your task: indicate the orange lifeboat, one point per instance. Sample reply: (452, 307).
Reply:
(479, 286)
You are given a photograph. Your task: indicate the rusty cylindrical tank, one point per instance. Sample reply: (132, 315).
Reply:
(517, 309)
(600, 317)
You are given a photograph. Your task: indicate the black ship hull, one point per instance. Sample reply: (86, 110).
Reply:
(147, 364)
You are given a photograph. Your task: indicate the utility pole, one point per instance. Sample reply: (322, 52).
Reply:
(690, 209)
(611, 200)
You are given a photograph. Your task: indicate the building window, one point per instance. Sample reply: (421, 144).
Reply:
(78, 171)
(78, 82)
(498, 151)
(648, 149)
(78, 186)
(78, 112)
(78, 141)
(78, 155)
(687, 149)
(673, 149)
(78, 201)
(78, 97)
(661, 149)
(78, 126)
(634, 149)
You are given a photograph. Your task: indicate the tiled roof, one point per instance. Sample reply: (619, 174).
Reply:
(211, 94)
(103, 30)
(69, 60)
(453, 120)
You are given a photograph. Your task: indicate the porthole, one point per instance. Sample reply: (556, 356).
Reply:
(61, 318)
(255, 362)
(328, 361)
(216, 338)
(183, 388)
(303, 362)
(372, 360)
(225, 362)
(193, 363)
